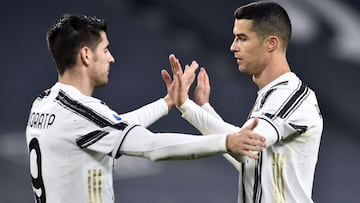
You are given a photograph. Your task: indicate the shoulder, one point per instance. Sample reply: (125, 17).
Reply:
(86, 106)
(290, 105)
(281, 97)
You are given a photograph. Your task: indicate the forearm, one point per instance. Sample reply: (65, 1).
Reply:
(201, 119)
(208, 108)
(148, 114)
(166, 146)
(204, 121)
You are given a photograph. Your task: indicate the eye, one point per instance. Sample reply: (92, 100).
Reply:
(107, 49)
(242, 38)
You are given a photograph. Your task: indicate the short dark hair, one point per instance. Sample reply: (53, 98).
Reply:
(69, 34)
(269, 18)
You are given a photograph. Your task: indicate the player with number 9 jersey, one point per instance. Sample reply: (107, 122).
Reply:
(73, 140)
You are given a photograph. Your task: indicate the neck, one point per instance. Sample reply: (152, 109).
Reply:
(273, 70)
(78, 81)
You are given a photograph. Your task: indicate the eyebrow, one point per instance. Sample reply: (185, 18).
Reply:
(240, 35)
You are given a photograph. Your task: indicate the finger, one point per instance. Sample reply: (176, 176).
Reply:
(252, 124)
(166, 77)
(250, 154)
(179, 65)
(189, 73)
(257, 140)
(174, 63)
(206, 77)
(190, 69)
(256, 147)
(201, 78)
(193, 66)
(178, 79)
(178, 84)
(186, 68)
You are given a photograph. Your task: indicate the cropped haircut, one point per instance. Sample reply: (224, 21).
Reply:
(268, 18)
(69, 34)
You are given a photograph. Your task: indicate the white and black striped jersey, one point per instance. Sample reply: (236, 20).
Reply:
(290, 120)
(73, 140)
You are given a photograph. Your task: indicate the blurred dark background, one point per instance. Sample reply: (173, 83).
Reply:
(324, 52)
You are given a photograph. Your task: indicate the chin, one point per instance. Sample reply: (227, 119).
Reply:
(101, 84)
(241, 69)
(245, 71)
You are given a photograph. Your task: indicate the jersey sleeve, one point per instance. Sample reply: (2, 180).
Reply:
(283, 113)
(105, 139)
(111, 128)
(208, 108)
(108, 134)
(204, 121)
(141, 142)
(148, 114)
(96, 127)
(207, 120)
(236, 162)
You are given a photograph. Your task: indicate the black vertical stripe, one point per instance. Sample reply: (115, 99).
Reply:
(297, 98)
(257, 183)
(267, 94)
(243, 181)
(118, 151)
(270, 91)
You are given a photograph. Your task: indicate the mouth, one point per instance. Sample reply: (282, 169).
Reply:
(238, 60)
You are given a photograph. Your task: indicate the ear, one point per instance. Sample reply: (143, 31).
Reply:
(85, 55)
(273, 43)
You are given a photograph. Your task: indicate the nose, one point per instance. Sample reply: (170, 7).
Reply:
(232, 46)
(112, 59)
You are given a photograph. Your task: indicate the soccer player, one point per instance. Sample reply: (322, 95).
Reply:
(74, 138)
(288, 112)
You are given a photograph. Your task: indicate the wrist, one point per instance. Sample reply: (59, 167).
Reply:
(227, 143)
(170, 103)
(181, 101)
(201, 102)
(188, 104)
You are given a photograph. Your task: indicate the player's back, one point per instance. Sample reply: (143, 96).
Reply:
(61, 170)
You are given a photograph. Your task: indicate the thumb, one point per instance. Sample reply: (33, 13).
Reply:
(252, 124)
(166, 77)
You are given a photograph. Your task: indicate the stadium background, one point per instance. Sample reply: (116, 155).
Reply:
(324, 51)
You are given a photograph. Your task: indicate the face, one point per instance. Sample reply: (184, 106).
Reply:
(249, 51)
(100, 63)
